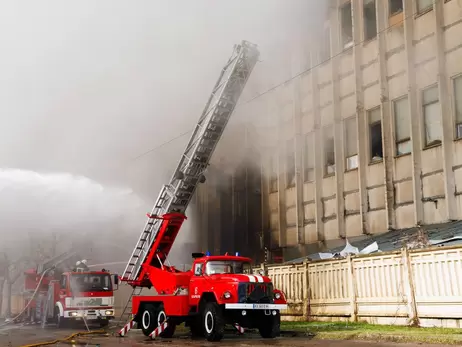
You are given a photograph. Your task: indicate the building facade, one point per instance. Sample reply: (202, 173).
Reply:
(363, 138)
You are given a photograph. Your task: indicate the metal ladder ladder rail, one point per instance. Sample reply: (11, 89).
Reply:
(219, 115)
(192, 166)
(140, 251)
(126, 315)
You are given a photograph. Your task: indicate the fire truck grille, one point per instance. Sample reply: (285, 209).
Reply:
(253, 293)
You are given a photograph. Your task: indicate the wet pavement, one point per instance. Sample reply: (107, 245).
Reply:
(19, 336)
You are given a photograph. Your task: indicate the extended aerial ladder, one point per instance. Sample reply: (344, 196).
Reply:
(168, 213)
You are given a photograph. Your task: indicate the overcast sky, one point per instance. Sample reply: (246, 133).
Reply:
(89, 85)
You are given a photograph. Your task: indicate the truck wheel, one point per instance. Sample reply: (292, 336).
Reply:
(148, 320)
(214, 324)
(161, 317)
(270, 326)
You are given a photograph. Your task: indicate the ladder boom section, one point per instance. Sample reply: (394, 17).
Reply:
(176, 195)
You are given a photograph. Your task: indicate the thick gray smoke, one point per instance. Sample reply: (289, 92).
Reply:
(89, 86)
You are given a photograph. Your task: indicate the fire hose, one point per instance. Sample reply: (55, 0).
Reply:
(70, 337)
(33, 296)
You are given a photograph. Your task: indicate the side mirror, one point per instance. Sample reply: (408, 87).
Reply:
(116, 281)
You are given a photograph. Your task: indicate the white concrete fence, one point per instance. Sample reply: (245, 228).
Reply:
(421, 287)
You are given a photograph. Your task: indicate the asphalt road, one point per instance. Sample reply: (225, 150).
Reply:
(18, 336)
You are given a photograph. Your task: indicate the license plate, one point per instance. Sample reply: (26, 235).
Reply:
(260, 306)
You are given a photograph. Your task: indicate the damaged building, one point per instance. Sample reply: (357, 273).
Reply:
(360, 141)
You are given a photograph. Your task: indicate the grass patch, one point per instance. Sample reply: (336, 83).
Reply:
(363, 331)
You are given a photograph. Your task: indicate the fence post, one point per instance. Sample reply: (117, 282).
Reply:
(408, 279)
(352, 289)
(306, 291)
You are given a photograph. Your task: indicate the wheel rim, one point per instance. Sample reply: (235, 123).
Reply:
(161, 317)
(146, 319)
(208, 322)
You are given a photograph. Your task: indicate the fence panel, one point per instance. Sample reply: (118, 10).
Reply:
(438, 283)
(381, 286)
(329, 290)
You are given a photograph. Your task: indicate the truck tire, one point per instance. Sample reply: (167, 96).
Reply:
(270, 326)
(161, 317)
(213, 322)
(148, 320)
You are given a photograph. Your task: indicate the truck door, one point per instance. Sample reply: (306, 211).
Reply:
(196, 284)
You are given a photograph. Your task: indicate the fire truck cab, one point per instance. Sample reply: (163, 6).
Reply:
(84, 295)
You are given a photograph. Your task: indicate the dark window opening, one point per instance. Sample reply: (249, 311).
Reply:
(290, 164)
(395, 7)
(347, 25)
(273, 174)
(329, 151)
(375, 135)
(370, 20)
(308, 158)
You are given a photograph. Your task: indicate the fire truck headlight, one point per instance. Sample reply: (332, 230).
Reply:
(73, 314)
(109, 313)
(277, 296)
(227, 295)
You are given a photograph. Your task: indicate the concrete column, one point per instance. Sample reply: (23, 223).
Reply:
(387, 124)
(338, 125)
(318, 171)
(265, 191)
(298, 142)
(448, 124)
(416, 139)
(282, 184)
(362, 125)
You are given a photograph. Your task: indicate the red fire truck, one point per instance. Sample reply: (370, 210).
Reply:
(57, 292)
(219, 289)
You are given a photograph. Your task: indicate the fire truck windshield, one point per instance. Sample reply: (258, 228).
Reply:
(227, 267)
(90, 282)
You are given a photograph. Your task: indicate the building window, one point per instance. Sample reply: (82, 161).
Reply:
(324, 51)
(273, 174)
(424, 6)
(329, 150)
(402, 126)
(308, 158)
(458, 105)
(351, 143)
(432, 116)
(370, 20)
(290, 163)
(375, 135)
(346, 25)
(395, 7)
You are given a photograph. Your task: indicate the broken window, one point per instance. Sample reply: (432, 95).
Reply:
(432, 116)
(424, 5)
(324, 50)
(375, 135)
(402, 126)
(308, 158)
(370, 20)
(395, 7)
(346, 25)
(273, 165)
(351, 141)
(290, 164)
(458, 105)
(329, 150)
